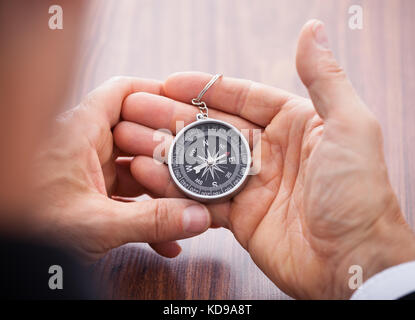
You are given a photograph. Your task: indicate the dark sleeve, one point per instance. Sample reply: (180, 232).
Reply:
(410, 296)
(26, 273)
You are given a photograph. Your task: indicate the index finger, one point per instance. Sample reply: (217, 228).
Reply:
(107, 99)
(253, 101)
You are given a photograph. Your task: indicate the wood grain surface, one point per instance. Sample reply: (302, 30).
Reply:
(254, 40)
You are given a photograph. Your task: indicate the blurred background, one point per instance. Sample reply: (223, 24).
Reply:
(254, 40)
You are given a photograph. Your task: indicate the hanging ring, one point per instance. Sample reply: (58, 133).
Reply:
(198, 100)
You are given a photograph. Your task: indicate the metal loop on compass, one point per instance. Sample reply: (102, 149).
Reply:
(198, 100)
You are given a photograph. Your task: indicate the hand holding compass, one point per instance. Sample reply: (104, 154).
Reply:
(307, 216)
(204, 140)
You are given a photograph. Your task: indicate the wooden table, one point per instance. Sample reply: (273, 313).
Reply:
(254, 40)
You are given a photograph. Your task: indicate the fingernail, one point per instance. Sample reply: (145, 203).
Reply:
(195, 219)
(320, 35)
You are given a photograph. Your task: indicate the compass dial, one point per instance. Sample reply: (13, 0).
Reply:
(209, 160)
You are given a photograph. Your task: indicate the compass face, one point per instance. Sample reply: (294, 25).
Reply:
(209, 160)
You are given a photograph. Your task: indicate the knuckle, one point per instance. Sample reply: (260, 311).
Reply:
(330, 68)
(117, 79)
(369, 120)
(123, 135)
(242, 97)
(373, 124)
(131, 104)
(159, 217)
(89, 100)
(325, 70)
(120, 131)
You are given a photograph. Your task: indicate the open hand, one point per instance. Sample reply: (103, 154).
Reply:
(322, 200)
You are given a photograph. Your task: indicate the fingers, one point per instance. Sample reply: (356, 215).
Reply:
(250, 100)
(159, 112)
(146, 112)
(332, 94)
(156, 178)
(168, 249)
(126, 185)
(137, 139)
(107, 99)
(158, 220)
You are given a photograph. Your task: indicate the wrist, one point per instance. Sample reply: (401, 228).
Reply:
(390, 243)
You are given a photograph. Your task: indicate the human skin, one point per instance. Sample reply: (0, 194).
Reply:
(322, 201)
(58, 177)
(82, 187)
(36, 69)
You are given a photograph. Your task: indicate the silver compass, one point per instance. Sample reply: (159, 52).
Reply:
(209, 159)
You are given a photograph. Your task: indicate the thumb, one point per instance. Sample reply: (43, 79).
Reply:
(158, 220)
(332, 93)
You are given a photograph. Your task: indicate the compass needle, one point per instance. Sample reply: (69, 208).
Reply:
(201, 158)
(223, 155)
(211, 172)
(219, 169)
(200, 167)
(209, 156)
(204, 171)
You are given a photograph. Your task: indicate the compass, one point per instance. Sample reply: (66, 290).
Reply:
(209, 160)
